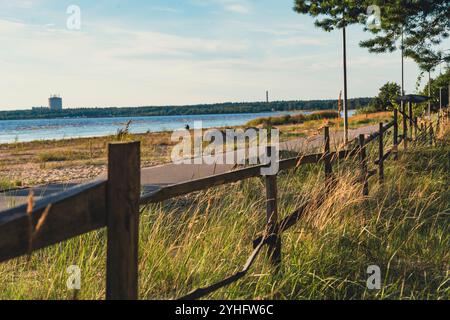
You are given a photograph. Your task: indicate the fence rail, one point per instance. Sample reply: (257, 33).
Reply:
(114, 203)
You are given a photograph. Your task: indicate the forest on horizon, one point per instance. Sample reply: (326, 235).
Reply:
(218, 108)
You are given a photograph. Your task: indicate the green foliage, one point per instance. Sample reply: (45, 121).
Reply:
(294, 119)
(441, 81)
(6, 184)
(423, 23)
(332, 14)
(427, 59)
(385, 98)
(371, 108)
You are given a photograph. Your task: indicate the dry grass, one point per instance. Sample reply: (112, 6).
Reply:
(196, 240)
(372, 118)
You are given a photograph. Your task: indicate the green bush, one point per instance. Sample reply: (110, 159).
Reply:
(294, 119)
(367, 110)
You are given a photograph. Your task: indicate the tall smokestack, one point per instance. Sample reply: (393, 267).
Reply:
(267, 96)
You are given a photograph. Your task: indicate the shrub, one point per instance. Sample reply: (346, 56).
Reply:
(294, 119)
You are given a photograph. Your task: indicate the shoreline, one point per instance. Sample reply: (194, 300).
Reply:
(138, 125)
(59, 161)
(183, 110)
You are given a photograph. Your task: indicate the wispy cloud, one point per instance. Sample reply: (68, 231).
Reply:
(202, 50)
(234, 6)
(299, 41)
(23, 4)
(165, 9)
(237, 7)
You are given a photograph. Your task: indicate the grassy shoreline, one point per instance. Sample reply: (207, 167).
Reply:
(40, 162)
(194, 241)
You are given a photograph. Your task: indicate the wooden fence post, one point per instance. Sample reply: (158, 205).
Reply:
(423, 135)
(272, 216)
(363, 163)
(381, 153)
(416, 128)
(327, 160)
(123, 193)
(395, 133)
(405, 129)
(438, 123)
(411, 120)
(431, 134)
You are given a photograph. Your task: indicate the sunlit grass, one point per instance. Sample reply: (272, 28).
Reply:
(194, 241)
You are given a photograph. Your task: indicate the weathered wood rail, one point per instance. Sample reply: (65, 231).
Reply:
(114, 203)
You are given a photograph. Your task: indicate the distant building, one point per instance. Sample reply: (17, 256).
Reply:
(55, 103)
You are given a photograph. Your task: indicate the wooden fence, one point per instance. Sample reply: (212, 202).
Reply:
(114, 203)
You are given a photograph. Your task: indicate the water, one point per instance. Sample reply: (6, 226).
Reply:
(55, 129)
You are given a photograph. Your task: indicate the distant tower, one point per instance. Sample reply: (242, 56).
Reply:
(267, 96)
(55, 103)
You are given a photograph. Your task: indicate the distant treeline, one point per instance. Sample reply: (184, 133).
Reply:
(220, 108)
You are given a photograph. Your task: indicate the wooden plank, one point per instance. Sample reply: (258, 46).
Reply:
(396, 142)
(405, 128)
(372, 137)
(274, 248)
(386, 155)
(202, 292)
(123, 193)
(363, 165)
(292, 219)
(431, 134)
(380, 155)
(405, 116)
(423, 135)
(411, 119)
(375, 135)
(388, 126)
(74, 212)
(344, 154)
(372, 173)
(416, 128)
(327, 160)
(285, 224)
(187, 187)
(292, 163)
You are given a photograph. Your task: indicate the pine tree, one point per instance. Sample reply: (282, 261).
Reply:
(424, 24)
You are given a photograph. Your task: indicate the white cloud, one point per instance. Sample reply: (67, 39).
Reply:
(237, 7)
(23, 4)
(300, 41)
(165, 9)
(113, 65)
(234, 6)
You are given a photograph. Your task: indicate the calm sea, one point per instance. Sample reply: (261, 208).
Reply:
(55, 129)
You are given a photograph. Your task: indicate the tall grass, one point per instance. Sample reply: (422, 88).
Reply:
(193, 241)
(8, 184)
(294, 119)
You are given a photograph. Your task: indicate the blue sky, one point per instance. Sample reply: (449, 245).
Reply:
(155, 52)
